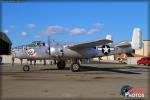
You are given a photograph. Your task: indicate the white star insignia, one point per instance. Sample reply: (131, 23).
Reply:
(105, 49)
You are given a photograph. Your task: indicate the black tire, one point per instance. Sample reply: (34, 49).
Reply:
(61, 64)
(147, 64)
(75, 67)
(26, 68)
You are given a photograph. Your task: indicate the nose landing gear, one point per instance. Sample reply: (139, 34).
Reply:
(26, 68)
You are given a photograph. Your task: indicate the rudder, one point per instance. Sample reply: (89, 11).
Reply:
(137, 41)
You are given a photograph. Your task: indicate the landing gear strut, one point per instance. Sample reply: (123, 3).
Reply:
(61, 64)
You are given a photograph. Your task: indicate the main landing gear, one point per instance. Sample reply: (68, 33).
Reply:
(75, 66)
(61, 64)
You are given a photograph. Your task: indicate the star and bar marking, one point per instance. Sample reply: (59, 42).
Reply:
(105, 49)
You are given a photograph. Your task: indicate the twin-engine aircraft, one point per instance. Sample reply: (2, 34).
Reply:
(75, 52)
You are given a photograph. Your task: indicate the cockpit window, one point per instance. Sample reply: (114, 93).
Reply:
(94, 47)
(30, 45)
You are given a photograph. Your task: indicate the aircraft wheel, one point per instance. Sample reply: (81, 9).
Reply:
(26, 68)
(61, 64)
(75, 67)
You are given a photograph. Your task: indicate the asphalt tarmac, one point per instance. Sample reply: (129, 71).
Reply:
(93, 81)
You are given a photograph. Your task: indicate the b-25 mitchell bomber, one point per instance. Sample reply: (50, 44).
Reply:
(75, 52)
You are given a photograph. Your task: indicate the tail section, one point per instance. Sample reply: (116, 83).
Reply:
(109, 37)
(137, 41)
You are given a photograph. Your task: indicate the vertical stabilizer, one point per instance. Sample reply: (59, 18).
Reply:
(109, 37)
(137, 41)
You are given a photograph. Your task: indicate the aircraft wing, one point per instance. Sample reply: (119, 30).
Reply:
(89, 44)
(123, 44)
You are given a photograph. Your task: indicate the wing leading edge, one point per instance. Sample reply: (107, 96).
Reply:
(89, 44)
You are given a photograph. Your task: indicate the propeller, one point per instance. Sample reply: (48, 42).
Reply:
(49, 47)
(62, 49)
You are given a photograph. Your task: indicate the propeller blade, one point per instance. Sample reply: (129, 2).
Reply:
(49, 46)
(62, 50)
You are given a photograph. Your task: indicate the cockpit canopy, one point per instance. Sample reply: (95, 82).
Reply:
(38, 43)
(34, 44)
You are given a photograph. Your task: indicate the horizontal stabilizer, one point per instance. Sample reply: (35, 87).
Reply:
(89, 44)
(123, 44)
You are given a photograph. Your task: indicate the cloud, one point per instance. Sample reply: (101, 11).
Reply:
(51, 30)
(38, 36)
(57, 29)
(12, 26)
(24, 33)
(77, 31)
(92, 31)
(96, 29)
(98, 25)
(31, 26)
(6, 31)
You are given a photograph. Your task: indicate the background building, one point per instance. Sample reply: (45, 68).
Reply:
(145, 51)
(5, 44)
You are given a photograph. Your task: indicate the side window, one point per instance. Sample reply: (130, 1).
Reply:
(146, 58)
(143, 58)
